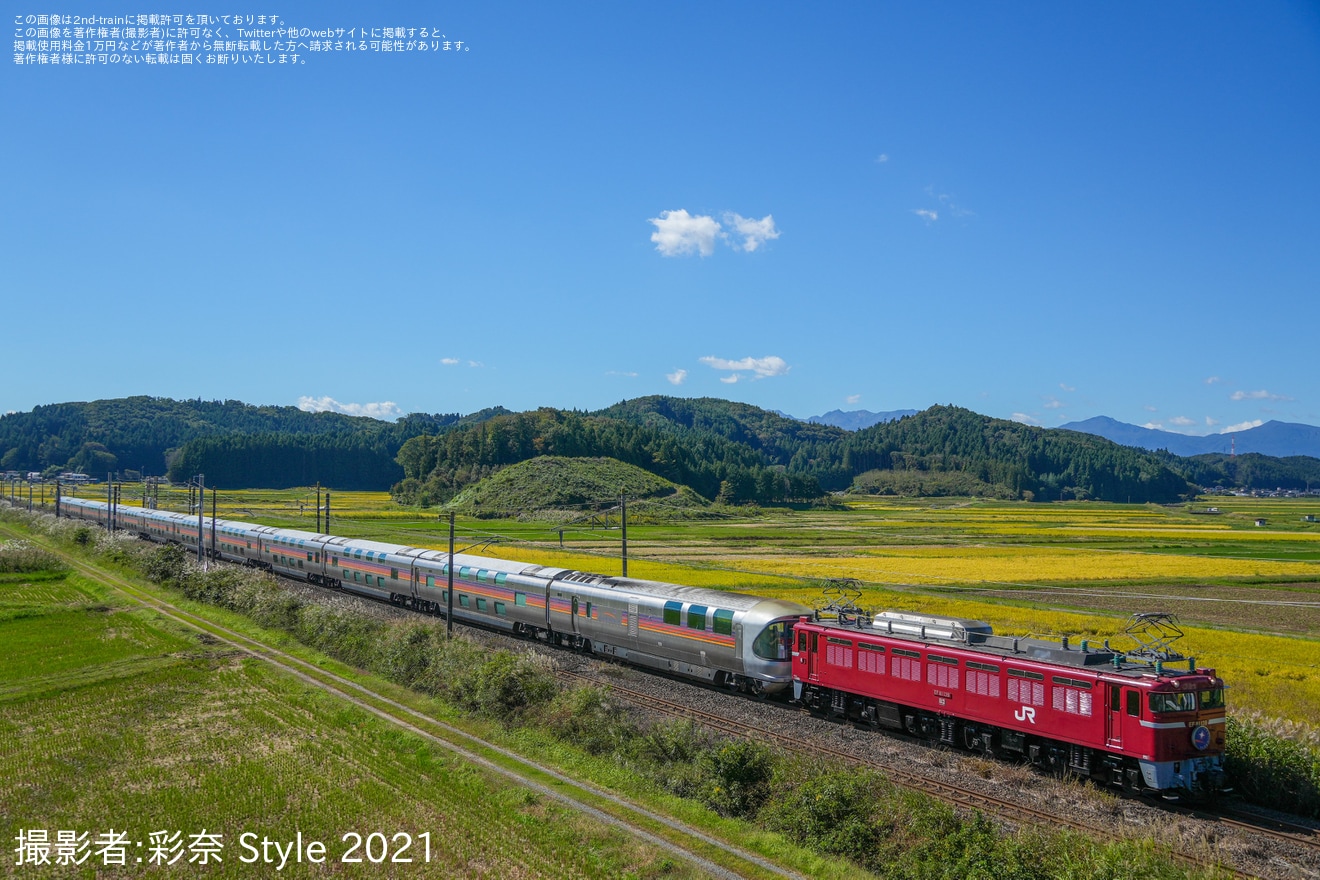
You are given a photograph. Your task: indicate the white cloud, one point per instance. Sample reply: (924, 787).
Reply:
(1066, 387)
(760, 368)
(754, 232)
(1149, 408)
(882, 159)
(1210, 423)
(1024, 419)
(950, 206)
(630, 375)
(676, 377)
(679, 234)
(385, 410)
(475, 364)
(1257, 395)
(1154, 426)
(1053, 403)
(928, 216)
(449, 362)
(1242, 426)
(853, 398)
(1182, 421)
(1213, 380)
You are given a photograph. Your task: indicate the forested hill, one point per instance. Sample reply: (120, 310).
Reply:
(703, 459)
(137, 433)
(778, 438)
(736, 453)
(1016, 460)
(722, 450)
(1249, 471)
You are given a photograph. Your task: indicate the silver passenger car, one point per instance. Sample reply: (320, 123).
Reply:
(729, 639)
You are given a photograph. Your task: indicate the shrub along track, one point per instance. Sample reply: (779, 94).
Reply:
(707, 853)
(966, 797)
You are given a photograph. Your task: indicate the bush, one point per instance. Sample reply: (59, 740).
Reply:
(21, 557)
(167, 564)
(669, 753)
(407, 653)
(505, 685)
(1272, 771)
(738, 775)
(833, 811)
(589, 719)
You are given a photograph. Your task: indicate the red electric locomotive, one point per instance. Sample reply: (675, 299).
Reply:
(1146, 719)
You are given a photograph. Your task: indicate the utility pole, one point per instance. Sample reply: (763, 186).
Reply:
(109, 503)
(327, 512)
(200, 488)
(318, 509)
(623, 523)
(57, 497)
(213, 520)
(449, 595)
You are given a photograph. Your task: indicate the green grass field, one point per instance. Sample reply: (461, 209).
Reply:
(112, 718)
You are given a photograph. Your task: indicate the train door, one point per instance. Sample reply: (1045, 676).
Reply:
(1114, 716)
(633, 623)
(574, 614)
(813, 660)
(1131, 727)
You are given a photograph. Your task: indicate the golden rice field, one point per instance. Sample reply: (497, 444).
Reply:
(1016, 565)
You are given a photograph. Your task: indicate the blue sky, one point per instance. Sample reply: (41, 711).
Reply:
(1037, 211)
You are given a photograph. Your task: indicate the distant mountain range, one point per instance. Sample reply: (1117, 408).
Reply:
(858, 419)
(1280, 439)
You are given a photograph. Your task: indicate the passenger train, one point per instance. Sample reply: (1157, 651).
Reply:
(729, 639)
(1135, 720)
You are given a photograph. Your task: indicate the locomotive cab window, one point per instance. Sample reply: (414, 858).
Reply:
(1133, 703)
(1212, 699)
(1184, 701)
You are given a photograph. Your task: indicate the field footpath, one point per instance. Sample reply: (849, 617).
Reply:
(707, 853)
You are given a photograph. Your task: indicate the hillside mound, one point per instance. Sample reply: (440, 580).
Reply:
(557, 487)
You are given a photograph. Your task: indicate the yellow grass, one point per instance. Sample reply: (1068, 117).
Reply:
(1015, 565)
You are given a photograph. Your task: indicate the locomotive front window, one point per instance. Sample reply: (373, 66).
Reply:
(1184, 701)
(775, 642)
(1212, 699)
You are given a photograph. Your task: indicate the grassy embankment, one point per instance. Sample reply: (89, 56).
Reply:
(112, 717)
